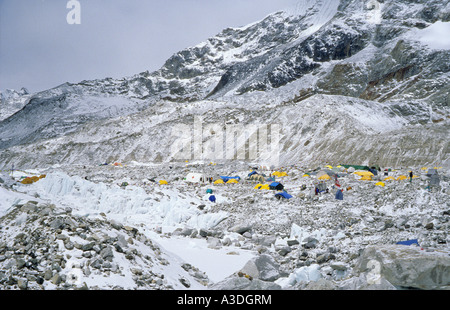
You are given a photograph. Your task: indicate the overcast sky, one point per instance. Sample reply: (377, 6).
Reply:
(116, 38)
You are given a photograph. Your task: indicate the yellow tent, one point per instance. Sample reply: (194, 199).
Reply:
(283, 174)
(380, 184)
(230, 181)
(306, 175)
(364, 173)
(27, 181)
(277, 173)
(402, 177)
(265, 186)
(366, 178)
(258, 186)
(328, 166)
(163, 182)
(219, 181)
(424, 168)
(388, 178)
(325, 177)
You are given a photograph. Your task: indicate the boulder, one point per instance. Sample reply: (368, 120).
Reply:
(406, 266)
(262, 267)
(240, 229)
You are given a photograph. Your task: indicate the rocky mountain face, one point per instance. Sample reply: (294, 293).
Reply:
(347, 81)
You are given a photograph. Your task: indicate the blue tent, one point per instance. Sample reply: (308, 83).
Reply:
(212, 198)
(339, 195)
(276, 186)
(284, 195)
(409, 242)
(251, 173)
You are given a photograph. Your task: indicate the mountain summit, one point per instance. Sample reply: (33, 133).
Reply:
(347, 80)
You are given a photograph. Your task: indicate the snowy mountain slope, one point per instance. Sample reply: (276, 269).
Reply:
(363, 55)
(12, 101)
(60, 111)
(326, 128)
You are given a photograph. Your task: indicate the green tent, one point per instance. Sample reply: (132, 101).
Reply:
(357, 167)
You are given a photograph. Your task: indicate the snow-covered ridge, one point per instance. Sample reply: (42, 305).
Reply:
(12, 100)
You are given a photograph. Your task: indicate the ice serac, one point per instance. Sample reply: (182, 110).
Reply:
(348, 81)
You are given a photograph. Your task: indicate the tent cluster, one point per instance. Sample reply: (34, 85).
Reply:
(114, 164)
(228, 179)
(362, 173)
(31, 180)
(324, 175)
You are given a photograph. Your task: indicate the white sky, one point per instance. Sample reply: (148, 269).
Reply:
(116, 38)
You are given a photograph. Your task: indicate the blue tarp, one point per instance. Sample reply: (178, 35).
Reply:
(251, 173)
(409, 242)
(339, 195)
(212, 198)
(284, 195)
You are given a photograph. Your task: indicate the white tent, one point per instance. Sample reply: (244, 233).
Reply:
(195, 178)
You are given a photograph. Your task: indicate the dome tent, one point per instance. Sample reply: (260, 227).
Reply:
(195, 178)
(276, 186)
